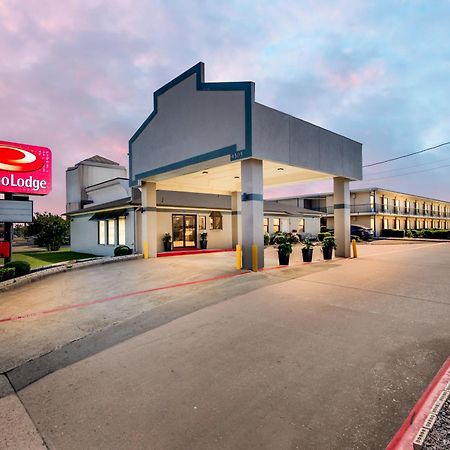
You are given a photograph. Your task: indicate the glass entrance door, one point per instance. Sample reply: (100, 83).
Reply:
(184, 230)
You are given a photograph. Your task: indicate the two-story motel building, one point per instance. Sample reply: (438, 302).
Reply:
(381, 209)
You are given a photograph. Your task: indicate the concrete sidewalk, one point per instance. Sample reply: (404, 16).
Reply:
(332, 360)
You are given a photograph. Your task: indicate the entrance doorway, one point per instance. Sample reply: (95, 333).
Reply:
(184, 230)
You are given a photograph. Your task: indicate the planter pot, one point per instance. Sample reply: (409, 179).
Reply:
(167, 246)
(327, 252)
(203, 244)
(307, 254)
(283, 259)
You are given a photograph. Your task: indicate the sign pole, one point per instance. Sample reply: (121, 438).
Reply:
(8, 234)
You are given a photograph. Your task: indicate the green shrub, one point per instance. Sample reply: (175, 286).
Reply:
(21, 267)
(356, 238)
(122, 250)
(322, 236)
(436, 234)
(393, 233)
(7, 273)
(266, 239)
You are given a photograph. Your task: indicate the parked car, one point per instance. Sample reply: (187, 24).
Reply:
(364, 233)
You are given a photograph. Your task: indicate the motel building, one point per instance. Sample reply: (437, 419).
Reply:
(382, 209)
(200, 162)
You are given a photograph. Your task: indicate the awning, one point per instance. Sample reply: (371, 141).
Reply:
(105, 215)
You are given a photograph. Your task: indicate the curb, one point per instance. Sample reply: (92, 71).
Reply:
(418, 416)
(45, 271)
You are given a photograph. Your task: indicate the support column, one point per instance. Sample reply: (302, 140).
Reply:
(342, 221)
(252, 211)
(236, 211)
(149, 223)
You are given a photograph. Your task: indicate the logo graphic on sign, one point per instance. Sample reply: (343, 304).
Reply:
(25, 169)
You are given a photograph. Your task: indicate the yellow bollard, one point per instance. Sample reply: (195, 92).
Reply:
(145, 249)
(238, 257)
(255, 258)
(355, 250)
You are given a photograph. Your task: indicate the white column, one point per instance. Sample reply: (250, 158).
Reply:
(149, 223)
(342, 221)
(252, 211)
(236, 207)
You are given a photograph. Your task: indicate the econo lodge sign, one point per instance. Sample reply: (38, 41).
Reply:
(25, 169)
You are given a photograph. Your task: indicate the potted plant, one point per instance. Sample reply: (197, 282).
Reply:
(328, 244)
(266, 239)
(283, 242)
(167, 241)
(203, 240)
(307, 250)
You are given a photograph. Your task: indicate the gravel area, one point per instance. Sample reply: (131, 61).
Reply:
(439, 436)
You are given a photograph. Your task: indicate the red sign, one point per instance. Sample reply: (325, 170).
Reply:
(25, 169)
(5, 249)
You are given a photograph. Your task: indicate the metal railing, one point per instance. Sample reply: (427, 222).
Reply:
(379, 208)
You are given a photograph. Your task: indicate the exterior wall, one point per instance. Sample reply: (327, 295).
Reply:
(86, 174)
(303, 144)
(109, 192)
(188, 123)
(84, 235)
(312, 224)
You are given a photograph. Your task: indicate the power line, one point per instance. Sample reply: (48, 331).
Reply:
(405, 156)
(408, 173)
(410, 167)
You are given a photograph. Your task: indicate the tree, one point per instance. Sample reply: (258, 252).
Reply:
(49, 230)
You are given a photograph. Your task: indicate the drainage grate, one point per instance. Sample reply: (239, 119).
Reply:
(420, 438)
(429, 422)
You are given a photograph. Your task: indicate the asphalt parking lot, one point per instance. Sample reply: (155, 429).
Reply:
(322, 356)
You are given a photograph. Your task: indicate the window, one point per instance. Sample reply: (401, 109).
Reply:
(385, 223)
(301, 225)
(102, 232)
(407, 224)
(121, 230)
(396, 205)
(416, 207)
(111, 232)
(276, 225)
(397, 224)
(407, 206)
(385, 204)
(266, 225)
(215, 221)
(372, 222)
(202, 222)
(372, 201)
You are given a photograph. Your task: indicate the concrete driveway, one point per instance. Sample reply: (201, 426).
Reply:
(37, 318)
(333, 359)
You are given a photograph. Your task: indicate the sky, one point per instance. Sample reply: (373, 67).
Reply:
(78, 76)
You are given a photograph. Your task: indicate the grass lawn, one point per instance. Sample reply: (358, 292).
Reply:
(40, 258)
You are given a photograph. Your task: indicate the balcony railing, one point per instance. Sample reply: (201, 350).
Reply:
(379, 208)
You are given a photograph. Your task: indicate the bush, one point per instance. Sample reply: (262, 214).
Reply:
(122, 250)
(266, 239)
(21, 267)
(393, 233)
(356, 238)
(322, 236)
(436, 234)
(7, 273)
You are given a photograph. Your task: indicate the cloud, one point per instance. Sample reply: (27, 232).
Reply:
(79, 76)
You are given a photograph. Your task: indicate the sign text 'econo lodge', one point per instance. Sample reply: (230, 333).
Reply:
(25, 169)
